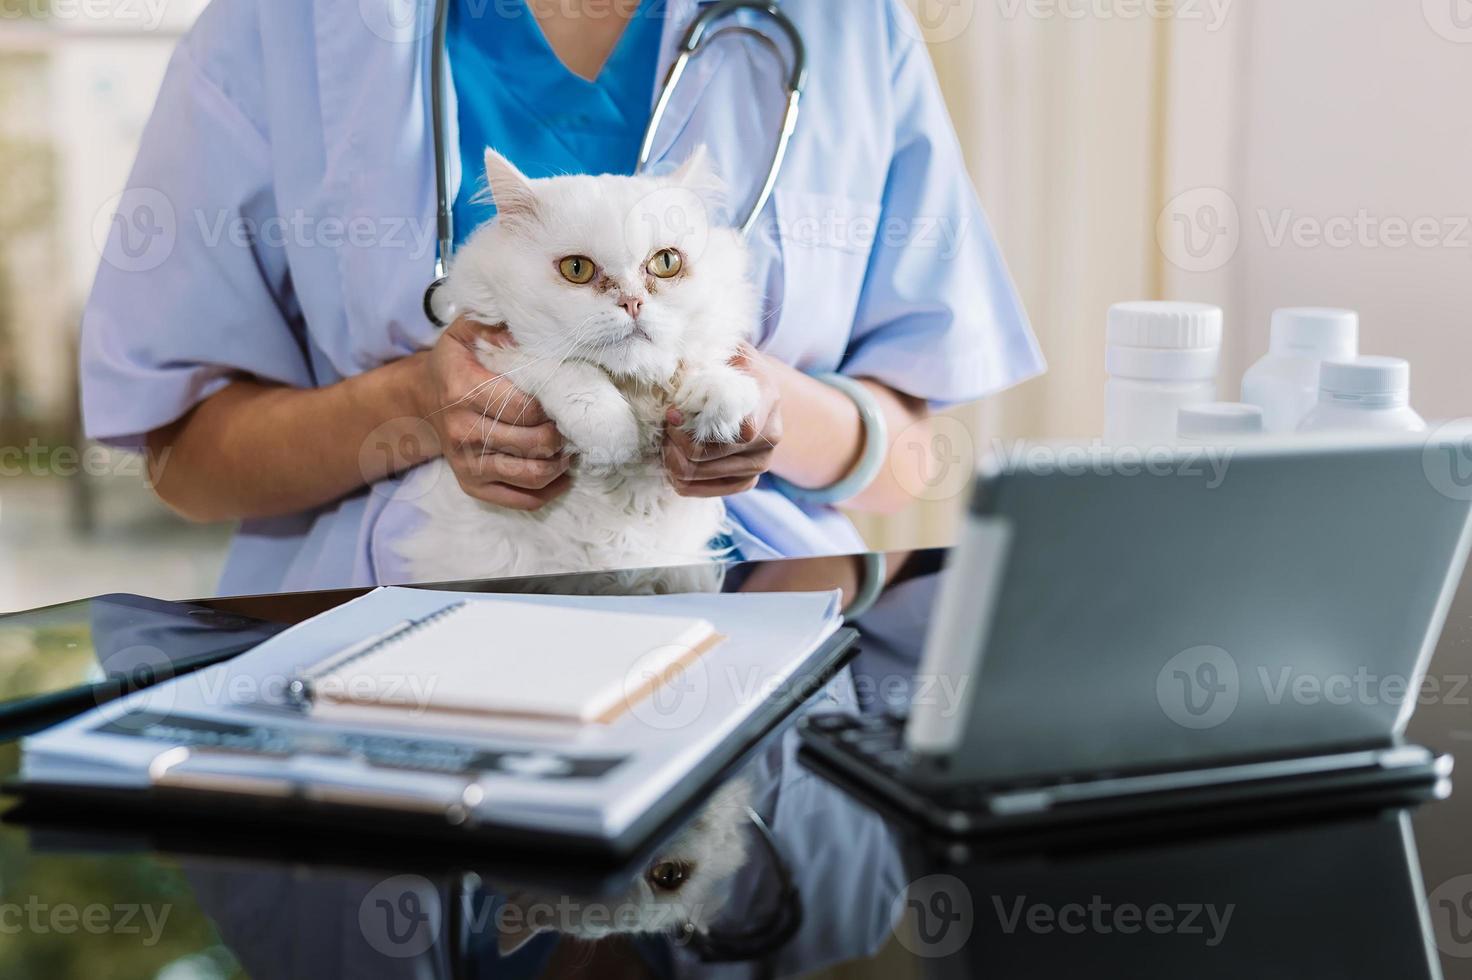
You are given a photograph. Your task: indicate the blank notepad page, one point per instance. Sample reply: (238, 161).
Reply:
(522, 660)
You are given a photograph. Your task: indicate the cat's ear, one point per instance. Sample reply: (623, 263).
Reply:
(698, 173)
(508, 187)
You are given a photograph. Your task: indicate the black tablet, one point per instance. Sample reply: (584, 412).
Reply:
(59, 660)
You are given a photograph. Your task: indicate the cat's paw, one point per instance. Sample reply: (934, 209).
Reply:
(603, 432)
(715, 403)
(619, 446)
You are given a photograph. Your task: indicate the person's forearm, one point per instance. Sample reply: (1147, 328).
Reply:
(823, 438)
(254, 450)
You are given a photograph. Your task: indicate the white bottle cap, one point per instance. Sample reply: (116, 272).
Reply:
(1372, 380)
(1328, 335)
(1165, 326)
(1220, 419)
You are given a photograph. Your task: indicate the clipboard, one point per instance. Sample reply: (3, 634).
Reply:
(199, 783)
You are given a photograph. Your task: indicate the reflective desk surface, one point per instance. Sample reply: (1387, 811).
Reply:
(833, 888)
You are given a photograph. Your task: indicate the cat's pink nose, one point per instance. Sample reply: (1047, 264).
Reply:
(632, 304)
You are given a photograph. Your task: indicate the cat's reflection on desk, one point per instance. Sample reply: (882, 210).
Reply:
(284, 922)
(718, 896)
(681, 892)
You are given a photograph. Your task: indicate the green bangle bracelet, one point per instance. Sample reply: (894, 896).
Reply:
(876, 443)
(871, 587)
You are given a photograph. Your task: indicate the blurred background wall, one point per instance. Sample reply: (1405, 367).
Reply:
(1251, 153)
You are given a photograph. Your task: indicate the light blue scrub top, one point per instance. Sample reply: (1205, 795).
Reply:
(548, 121)
(279, 224)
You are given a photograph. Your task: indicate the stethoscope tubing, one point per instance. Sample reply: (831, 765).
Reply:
(698, 34)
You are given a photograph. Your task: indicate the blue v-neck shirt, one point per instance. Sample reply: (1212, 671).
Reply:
(516, 96)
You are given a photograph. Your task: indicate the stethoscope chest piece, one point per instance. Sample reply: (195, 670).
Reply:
(438, 306)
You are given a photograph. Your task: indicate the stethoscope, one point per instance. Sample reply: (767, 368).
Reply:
(437, 305)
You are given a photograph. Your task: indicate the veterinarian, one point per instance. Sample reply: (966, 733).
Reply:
(257, 327)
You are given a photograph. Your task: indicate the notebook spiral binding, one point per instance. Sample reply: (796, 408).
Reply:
(299, 690)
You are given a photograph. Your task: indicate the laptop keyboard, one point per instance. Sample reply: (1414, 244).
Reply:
(878, 741)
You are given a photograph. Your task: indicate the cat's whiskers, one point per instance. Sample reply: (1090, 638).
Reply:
(566, 352)
(488, 383)
(481, 387)
(484, 426)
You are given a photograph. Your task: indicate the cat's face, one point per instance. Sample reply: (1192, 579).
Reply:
(684, 887)
(622, 272)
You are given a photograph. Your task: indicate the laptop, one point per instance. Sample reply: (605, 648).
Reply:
(1132, 633)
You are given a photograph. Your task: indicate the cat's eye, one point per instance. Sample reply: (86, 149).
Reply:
(666, 264)
(577, 269)
(669, 875)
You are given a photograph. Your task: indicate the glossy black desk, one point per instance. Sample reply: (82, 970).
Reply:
(1379, 892)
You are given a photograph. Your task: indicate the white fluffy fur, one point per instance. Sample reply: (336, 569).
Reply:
(605, 377)
(711, 850)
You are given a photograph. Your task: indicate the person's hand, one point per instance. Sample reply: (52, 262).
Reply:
(501, 446)
(720, 470)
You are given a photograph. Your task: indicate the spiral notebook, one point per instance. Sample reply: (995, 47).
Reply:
(509, 660)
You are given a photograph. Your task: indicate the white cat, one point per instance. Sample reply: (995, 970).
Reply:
(621, 299)
(684, 888)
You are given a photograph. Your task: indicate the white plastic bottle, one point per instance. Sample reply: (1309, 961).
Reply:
(1285, 383)
(1367, 394)
(1220, 423)
(1161, 357)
